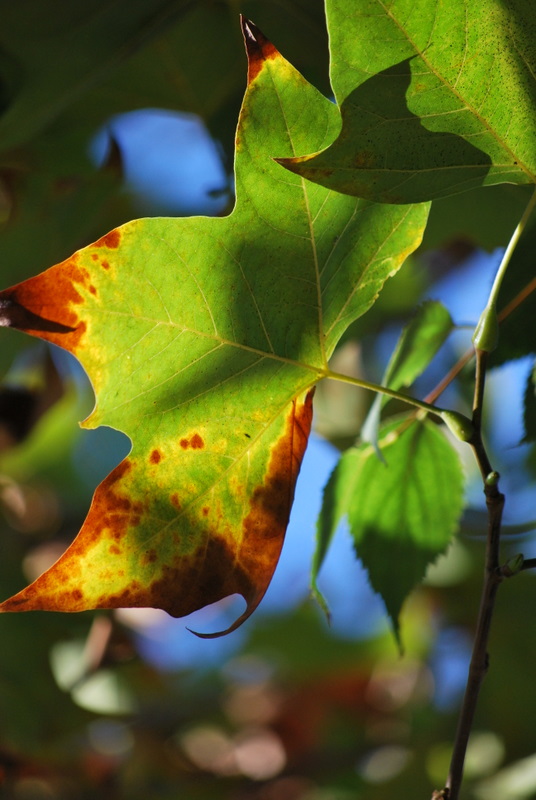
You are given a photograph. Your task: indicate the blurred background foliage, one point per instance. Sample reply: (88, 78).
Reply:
(112, 110)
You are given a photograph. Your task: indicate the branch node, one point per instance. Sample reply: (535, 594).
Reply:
(512, 567)
(492, 478)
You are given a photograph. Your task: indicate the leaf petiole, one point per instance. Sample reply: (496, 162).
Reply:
(375, 387)
(460, 425)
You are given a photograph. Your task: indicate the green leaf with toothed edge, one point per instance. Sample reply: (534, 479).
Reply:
(203, 339)
(402, 512)
(435, 98)
(416, 347)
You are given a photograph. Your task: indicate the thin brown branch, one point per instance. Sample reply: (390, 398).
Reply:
(492, 579)
(453, 373)
(517, 300)
(493, 575)
(479, 659)
(485, 340)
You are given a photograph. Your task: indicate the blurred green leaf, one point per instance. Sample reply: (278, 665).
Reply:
(176, 54)
(52, 53)
(484, 217)
(418, 344)
(196, 63)
(62, 201)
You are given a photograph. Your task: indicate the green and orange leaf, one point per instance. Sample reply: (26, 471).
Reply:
(203, 339)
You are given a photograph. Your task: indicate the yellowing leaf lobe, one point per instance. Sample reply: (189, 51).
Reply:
(222, 565)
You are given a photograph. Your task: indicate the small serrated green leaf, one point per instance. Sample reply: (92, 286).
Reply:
(418, 343)
(402, 513)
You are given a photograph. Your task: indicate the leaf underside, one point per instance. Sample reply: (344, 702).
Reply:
(435, 98)
(203, 339)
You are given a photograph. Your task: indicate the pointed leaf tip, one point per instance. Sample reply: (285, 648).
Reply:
(258, 48)
(233, 627)
(15, 315)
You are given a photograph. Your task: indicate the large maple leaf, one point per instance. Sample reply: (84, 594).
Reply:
(203, 339)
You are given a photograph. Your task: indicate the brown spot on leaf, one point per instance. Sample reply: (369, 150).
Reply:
(105, 264)
(111, 512)
(125, 599)
(149, 557)
(271, 502)
(92, 289)
(364, 159)
(155, 457)
(112, 240)
(205, 511)
(196, 442)
(94, 256)
(175, 502)
(114, 550)
(259, 49)
(217, 568)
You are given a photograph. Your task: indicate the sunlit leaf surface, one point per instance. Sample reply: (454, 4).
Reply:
(203, 338)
